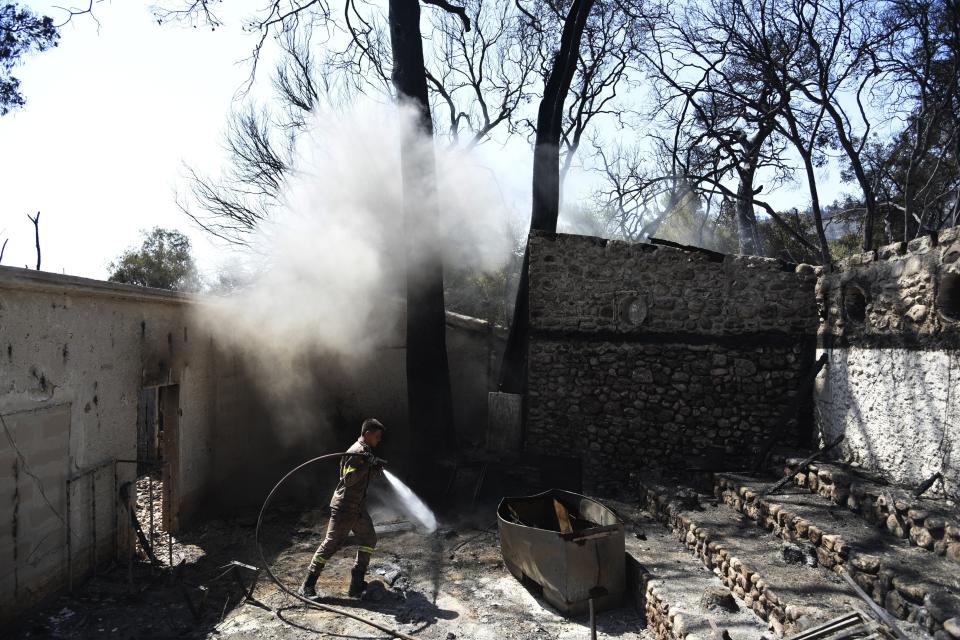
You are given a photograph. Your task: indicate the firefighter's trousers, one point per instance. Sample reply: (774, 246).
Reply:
(341, 524)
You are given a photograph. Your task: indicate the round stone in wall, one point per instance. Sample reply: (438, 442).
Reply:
(633, 311)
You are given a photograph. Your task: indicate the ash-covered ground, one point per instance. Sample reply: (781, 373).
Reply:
(444, 585)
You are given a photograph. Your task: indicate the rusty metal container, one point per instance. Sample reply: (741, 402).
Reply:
(571, 552)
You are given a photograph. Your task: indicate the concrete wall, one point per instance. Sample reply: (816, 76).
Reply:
(890, 328)
(75, 355)
(642, 353)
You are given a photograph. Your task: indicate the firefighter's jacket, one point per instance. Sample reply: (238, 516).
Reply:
(355, 474)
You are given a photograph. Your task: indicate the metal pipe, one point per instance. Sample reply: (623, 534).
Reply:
(593, 622)
(150, 490)
(93, 518)
(130, 549)
(69, 540)
(116, 514)
(84, 472)
(169, 506)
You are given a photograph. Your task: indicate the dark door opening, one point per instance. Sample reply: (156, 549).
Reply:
(168, 426)
(158, 463)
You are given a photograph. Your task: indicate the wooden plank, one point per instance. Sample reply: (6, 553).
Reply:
(563, 517)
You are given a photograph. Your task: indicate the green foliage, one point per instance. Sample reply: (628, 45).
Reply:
(487, 296)
(846, 246)
(21, 31)
(777, 243)
(162, 262)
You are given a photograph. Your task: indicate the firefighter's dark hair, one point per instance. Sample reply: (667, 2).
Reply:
(371, 424)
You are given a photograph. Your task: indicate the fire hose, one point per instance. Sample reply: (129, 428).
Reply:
(312, 603)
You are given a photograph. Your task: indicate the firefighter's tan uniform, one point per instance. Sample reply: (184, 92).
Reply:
(349, 511)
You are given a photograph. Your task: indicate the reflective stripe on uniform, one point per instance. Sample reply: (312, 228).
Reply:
(366, 549)
(318, 559)
(349, 470)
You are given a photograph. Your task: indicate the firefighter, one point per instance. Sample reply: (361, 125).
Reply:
(348, 511)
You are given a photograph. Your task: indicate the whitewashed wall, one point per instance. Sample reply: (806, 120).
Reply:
(892, 382)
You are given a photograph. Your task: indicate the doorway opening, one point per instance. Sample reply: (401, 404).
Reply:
(158, 462)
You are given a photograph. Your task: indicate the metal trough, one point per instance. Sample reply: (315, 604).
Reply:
(570, 546)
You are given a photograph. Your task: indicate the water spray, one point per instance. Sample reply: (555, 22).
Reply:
(413, 505)
(411, 502)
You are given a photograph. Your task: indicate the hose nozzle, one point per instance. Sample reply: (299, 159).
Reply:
(374, 460)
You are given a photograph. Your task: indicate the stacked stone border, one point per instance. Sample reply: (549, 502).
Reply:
(738, 576)
(910, 601)
(905, 517)
(664, 622)
(651, 594)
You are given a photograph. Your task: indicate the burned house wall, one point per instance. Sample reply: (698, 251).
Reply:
(266, 423)
(642, 354)
(475, 348)
(891, 330)
(281, 428)
(74, 356)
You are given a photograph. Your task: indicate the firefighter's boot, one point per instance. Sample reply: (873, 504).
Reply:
(357, 583)
(309, 587)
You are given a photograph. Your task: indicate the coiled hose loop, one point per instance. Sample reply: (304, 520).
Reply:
(310, 603)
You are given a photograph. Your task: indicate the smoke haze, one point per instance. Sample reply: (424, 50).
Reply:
(326, 274)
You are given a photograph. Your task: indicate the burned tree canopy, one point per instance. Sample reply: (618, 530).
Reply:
(598, 68)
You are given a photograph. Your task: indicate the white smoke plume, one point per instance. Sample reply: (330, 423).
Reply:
(329, 266)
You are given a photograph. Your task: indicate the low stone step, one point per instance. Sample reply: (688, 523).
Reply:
(679, 595)
(786, 589)
(789, 597)
(911, 583)
(932, 524)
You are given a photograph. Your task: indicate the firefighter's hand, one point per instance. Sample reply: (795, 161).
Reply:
(375, 461)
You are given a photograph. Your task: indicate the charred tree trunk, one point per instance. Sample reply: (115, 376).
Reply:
(747, 232)
(546, 152)
(428, 377)
(853, 155)
(546, 185)
(749, 240)
(805, 149)
(817, 212)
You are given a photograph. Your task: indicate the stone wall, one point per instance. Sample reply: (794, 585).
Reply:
(891, 329)
(644, 354)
